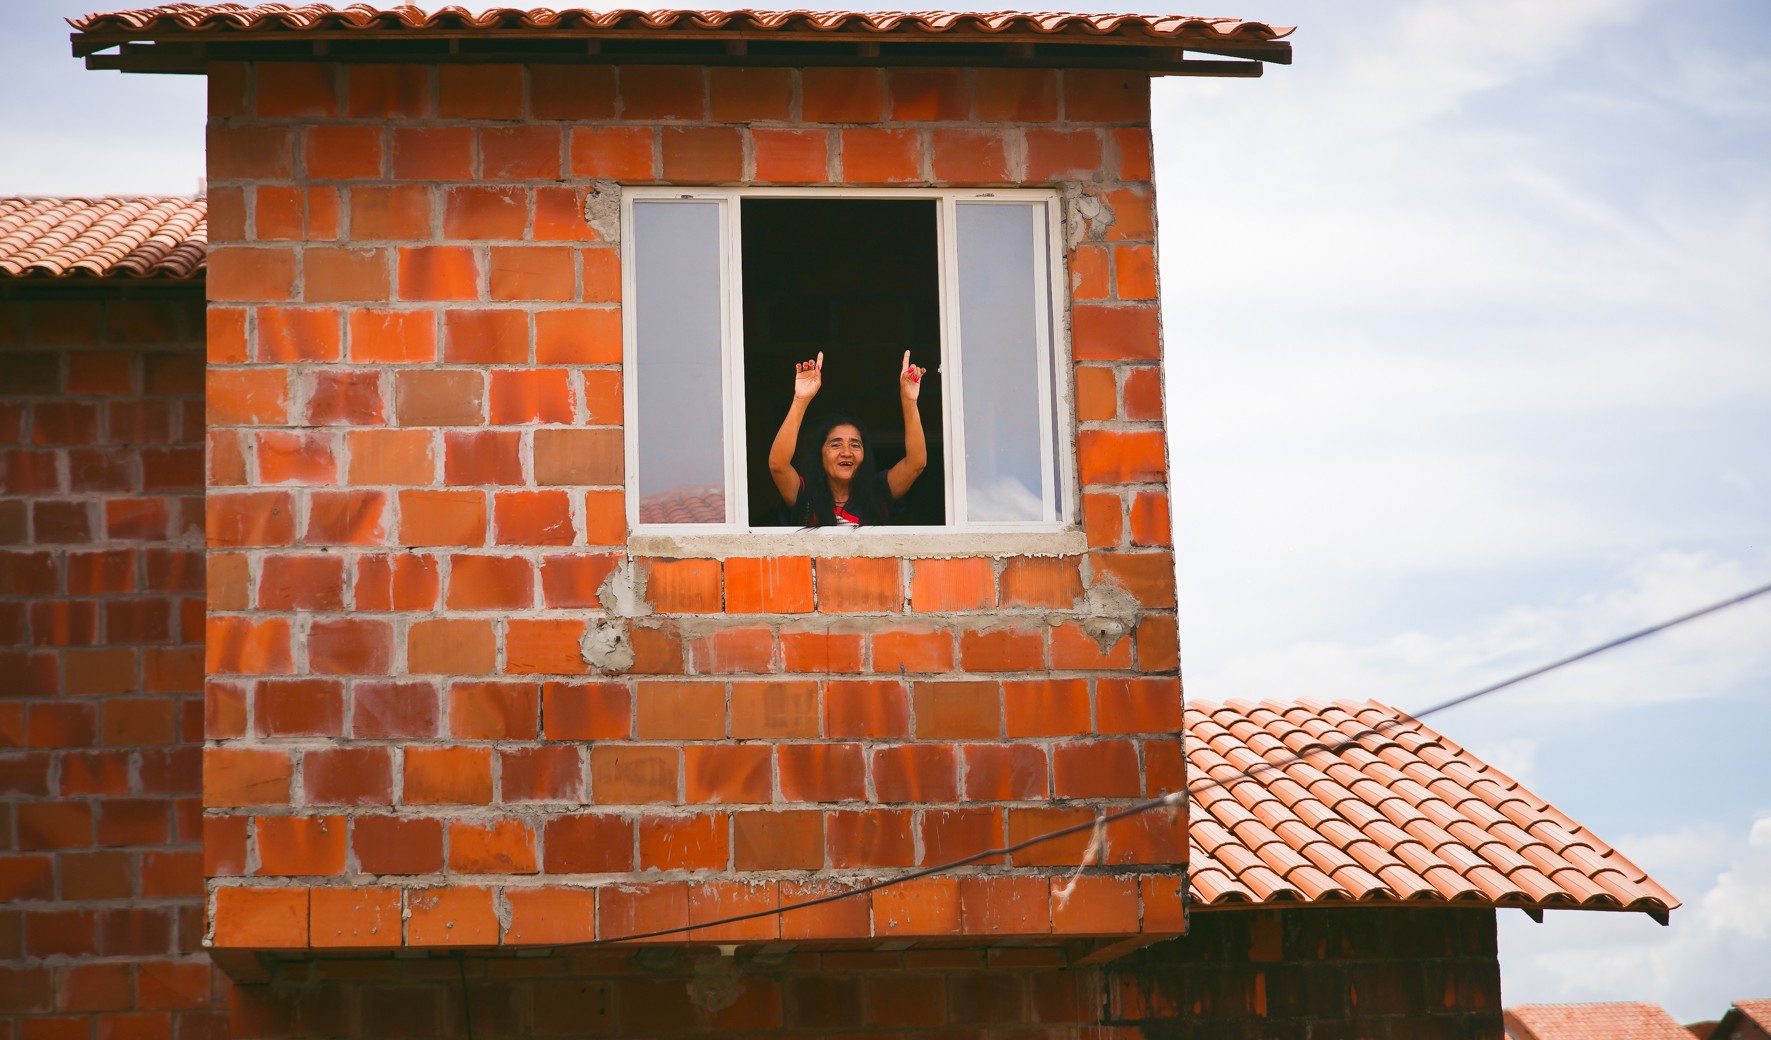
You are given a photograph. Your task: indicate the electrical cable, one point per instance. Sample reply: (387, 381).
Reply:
(1177, 798)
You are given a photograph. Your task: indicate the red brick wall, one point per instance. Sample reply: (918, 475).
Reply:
(101, 710)
(1324, 974)
(416, 488)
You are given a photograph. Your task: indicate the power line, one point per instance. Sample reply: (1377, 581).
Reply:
(1175, 799)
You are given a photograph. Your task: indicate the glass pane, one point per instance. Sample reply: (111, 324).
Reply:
(1003, 339)
(678, 328)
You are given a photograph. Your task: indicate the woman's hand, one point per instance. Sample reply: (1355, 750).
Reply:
(909, 379)
(808, 376)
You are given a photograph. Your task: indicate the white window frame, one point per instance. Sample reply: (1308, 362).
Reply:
(1055, 384)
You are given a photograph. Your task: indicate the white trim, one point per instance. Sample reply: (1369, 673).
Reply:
(1056, 422)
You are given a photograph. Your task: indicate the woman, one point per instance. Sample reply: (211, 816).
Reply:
(833, 481)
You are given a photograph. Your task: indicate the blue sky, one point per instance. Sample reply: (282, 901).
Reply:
(1469, 366)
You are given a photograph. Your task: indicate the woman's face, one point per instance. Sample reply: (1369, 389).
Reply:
(842, 451)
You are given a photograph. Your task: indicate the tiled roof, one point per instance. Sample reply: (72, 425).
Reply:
(1733, 1024)
(1757, 1010)
(1592, 1022)
(111, 237)
(238, 18)
(695, 505)
(1403, 816)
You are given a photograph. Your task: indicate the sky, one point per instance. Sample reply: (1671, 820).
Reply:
(1468, 334)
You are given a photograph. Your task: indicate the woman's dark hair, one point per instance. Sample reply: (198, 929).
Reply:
(868, 498)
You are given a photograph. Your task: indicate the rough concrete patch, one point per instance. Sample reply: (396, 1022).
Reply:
(606, 647)
(623, 592)
(1110, 614)
(715, 985)
(602, 210)
(1086, 216)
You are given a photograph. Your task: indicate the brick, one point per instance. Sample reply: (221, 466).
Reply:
(790, 156)
(250, 152)
(247, 397)
(404, 582)
(541, 774)
(866, 709)
(550, 915)
(820, 650)
(870, 838)
(1046, 707)
(568, 457)
(503, 846)
(578, 336)
(346, 399)
(729, 651)
(1125, 333)
(634, 775)
(531, 273)
(777, 840)
(1026, 823)
(953, 834)
(613, 152)
(1004, 772)
(1005, 905)
(743, 95)
(392, 337)
(390, 212)
(431, 153)
(261, 918)
(448, 776)
(525, 396)
(1115, 457)
(454, 518)
(1157, 649)
(1148, 576)
(667, 710)
(294, 89)
(482, 457)
(1032, 581)
(304, 582)
(1005, 648)
(480, 92)
(233, 645)
(1016, 95)
(397, 845)
(1103, 520)
(1132, 149)
(774, 710)
(490, 583)
(842, 95)
(1063, 155)
(440, 397)
(926, 907)
(574, 580)
(479, 211)
(875, 156)
(601, 269)
(949, 585)
(357, 274)
(396, 457)
(970, 157)
(1106, 96)
(589, 843)
(457, 916)
(1143, 394)
(922, 95)
(346, 518)
(521, 153)
(701, 155)
(1096, 769)
(344, 152)
(348, 776)
(572, 92)
(494, 710)
(354, 918)
(450, 647)
(859, 585)
(299, 708)
(429, 273)
(733, 773)
(821, 772)
(717, 900)
(299, 845)
(388, 91)
(549, 646)
(697, 841)
(683, 586)
(1150, 519)
(844, 917)
(1074, 649)
(1097, 391)
(915, 773)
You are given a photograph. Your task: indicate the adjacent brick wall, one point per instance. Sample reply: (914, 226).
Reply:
(101, 617)
(416, 491)
(1326, 974)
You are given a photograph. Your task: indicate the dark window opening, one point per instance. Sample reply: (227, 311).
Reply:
(859, 280)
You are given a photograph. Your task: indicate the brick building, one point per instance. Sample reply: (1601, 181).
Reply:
(502, 648)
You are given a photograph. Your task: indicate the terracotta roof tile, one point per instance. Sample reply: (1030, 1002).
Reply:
(111, 237)
(1759, 1011)
(236, 19)
(1619, 1021)
(1404, 815)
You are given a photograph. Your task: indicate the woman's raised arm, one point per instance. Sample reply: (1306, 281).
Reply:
(807, 378)
(916, 448)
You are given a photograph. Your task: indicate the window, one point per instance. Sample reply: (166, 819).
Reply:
(727, 290)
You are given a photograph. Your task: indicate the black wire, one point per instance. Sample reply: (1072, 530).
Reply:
(1177, 798)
